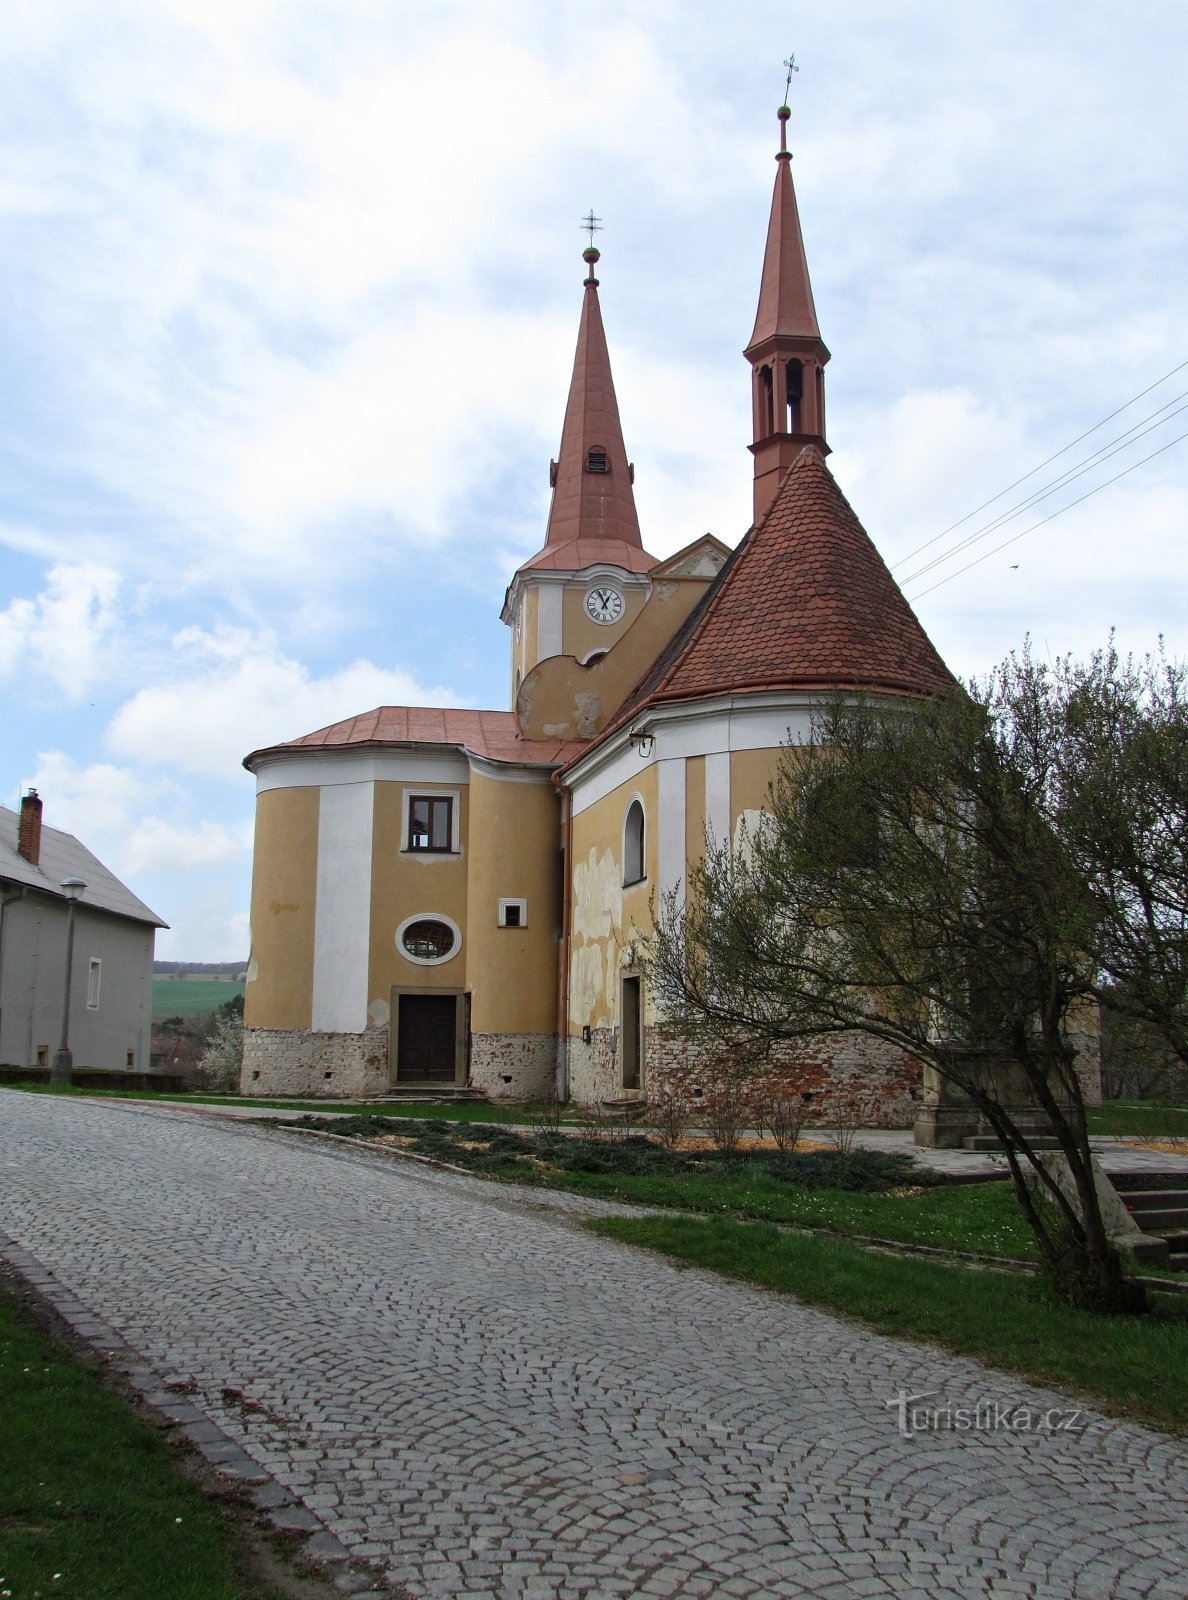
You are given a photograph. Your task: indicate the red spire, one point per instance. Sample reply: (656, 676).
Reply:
(592, 518)
(785, 293)
(786, 352)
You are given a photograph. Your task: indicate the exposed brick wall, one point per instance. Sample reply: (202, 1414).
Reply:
(872, 1083)
(876, 1081)
(283, 1061)
(514, 1066)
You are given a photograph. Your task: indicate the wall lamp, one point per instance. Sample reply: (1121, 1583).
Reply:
(644, 743)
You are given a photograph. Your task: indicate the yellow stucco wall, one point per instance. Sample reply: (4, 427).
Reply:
(513, 853)
(284, 894)
(751, 775)
(578, 634)
(563, 699)
(605, 913)
(405, 884)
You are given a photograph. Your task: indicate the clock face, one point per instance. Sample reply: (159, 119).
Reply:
(604, 604)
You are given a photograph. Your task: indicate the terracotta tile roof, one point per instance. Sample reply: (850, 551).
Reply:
(575, 554)
(492, 735)
(805, 602)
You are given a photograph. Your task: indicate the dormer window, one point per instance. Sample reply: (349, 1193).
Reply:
(596, 461)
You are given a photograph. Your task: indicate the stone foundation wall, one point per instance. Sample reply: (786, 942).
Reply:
(284, 1061)
(514, 1066)
(594, 1073)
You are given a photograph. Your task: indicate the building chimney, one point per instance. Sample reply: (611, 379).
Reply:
(29, 835)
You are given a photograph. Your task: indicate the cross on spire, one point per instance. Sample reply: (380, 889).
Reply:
(591, 224)
(792, 67)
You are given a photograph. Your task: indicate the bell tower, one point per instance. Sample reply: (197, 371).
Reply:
(580, 593)
(786, 352)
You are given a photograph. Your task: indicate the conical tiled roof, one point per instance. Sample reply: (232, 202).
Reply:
(805, 602)
(592, 518)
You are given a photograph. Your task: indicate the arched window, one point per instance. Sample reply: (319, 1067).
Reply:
(794, 376)
(766, 403)
(633, 843)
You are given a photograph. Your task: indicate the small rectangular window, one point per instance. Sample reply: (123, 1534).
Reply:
(513, 913)
(430, 822)
(93, 984)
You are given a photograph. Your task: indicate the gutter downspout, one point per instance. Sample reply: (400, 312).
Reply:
(566, 799)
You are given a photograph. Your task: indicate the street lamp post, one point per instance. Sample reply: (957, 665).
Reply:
(61, 1069)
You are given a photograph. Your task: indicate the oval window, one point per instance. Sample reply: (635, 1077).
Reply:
(427, 939)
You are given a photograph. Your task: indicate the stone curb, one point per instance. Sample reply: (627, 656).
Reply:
(271, 1501)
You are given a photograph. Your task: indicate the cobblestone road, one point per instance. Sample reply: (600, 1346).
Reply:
(461, 1382)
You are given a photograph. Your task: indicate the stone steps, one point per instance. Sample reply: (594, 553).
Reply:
(1163, 1213)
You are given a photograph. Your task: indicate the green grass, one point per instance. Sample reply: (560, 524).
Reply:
(1140, 1117)
(901, 1202)
(191, 997)
(91, 1505)
(1131, 1366)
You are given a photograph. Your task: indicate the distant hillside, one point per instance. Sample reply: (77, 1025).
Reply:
(199, 969)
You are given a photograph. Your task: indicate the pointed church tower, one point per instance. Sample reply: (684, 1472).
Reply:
(584, 588)
(786, 352)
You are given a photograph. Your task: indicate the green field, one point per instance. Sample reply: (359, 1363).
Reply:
(191, 997)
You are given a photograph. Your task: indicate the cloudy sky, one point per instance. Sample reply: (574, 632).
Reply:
(288, 299)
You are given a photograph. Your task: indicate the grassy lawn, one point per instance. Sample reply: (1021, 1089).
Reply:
(1151, 1117)
(864, 1193)
(91, 1505)
(191, 997)
(1130, 1366)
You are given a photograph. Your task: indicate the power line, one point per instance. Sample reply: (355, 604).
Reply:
(1014, 539)
(1123, 442)
(961, 520)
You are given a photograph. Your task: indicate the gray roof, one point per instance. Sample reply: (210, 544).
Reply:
(62, 856)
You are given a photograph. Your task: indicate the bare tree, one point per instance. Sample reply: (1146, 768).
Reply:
(918, 881)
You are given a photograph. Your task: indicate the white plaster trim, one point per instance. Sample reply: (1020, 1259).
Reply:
(428, 791)
(342, 925)
(670, 839)
(508, 772)
(549, 614)
(717, 797)
(416, 764)
(695, 728)
(429, 961)
(621, 765)
(503, 905)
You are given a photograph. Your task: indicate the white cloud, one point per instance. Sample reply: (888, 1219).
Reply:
(64, 633)
(238, 692)
(98, 802)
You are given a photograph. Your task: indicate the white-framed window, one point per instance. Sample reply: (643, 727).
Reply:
(634, 855)
(429, 938)
(432, 821)
(93, 975)
(513, 913)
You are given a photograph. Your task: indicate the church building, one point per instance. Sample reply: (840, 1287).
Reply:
(451, 897)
